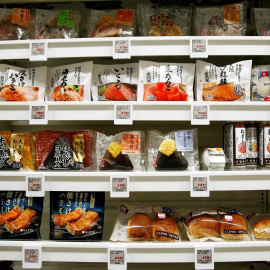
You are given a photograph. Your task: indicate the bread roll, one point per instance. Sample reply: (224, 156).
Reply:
(261, 229)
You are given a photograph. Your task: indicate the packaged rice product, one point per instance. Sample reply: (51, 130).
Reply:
(22, 84)
(225, 83)
(165, 81)
(252, 145)
(123, 151)
(260, 83)
(260, 226)
(69, 82)
(115, 82)
(212, 159)
(177, 150)
(261, 20)
(155, 20)
(264, 144)
(146, 223)
(20, 216)
(76, 216)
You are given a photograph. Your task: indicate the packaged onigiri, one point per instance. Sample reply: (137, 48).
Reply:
(261, 20)
(260, 83)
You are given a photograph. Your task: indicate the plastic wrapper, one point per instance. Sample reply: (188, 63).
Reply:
(212, 159)
(260, 226)
(177, 150)
(115, 82)
(69, 82)
(123, 151)
(22, 84)
(157, 20)
(65, 150)
(165, 81)
(20, 216)
(261, 20)
(260, 83)
(227, 83)
(77, 216)
(146, 223)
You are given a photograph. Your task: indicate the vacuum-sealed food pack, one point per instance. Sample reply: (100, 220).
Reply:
(20, 216)
(76, 216)
(225, 83)
(165, 81)
(22, 84)
(146, 223)
(115, 82)
(260, 226)
(155, 20)
(69, 82)
(261, 20)
(260, 83)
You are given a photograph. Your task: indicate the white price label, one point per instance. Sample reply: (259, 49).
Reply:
(204, 257)
(38, 50)
(123, 113)
(200, 113)
(35, 185)
(199, 185)
(198, 47)
(121, 48)
(32, 256)
(119, 186)
(38, 113)
(117, 258)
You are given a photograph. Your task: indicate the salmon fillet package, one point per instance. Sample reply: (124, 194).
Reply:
(20, 216)
(22, 84)
(115, 82)
(227, 83)
(165, 81)
(65, 150)
(76, 216)
(69, 82)
(261, 21)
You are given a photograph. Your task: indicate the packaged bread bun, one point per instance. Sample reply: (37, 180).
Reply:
(260, 226)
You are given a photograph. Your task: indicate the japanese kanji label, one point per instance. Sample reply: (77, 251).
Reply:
(117, 258)
(35, 185)
(204, 257)
(38, 50)
(38, 113)
(199, 185)
(198, 47)
(123, 113)
(121, 48)
(200, 113)
(119, 186)
(32, 256)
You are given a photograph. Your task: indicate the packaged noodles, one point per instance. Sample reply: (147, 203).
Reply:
(20, 216)
(260, 226)
(261, 20)
(76, 216)
(260, 83)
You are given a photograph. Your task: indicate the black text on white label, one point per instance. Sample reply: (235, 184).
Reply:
(35, 185)
(121, 48)
(199, 185)
(32, 256)
(117, 258)
(204, 257)
(38, 50)
(123, 113)
(38, 113)
(200, 113)
(198, 47)
(119, 186)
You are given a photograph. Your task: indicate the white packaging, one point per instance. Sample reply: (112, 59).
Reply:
(213, 159)
(260, 83)
(262, 21)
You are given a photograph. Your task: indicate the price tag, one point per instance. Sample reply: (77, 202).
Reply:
(121, 48)
(38, 113)
(199, 185)
(200, 113)
(117, 258)
(123, 113)
(198, 47)
(204, 257)
(32, 256)
(35, 185)
(119, 186)
(38, 50)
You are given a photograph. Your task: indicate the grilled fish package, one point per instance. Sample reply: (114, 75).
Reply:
(225, 83)
(261, 21)
(20, 216)
(77, 216)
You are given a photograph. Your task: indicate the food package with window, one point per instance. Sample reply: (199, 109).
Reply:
(146, 223)
(261, 21)
(177, 150)
(224, 83)
(260, 226)
(76, 216)
(22, 84)
(20, 216)
(165, 81)
(115, 82)
(69, 82)
(228, 20)
(260, 83)
(65, 150)
(123, 151)
(155, 20)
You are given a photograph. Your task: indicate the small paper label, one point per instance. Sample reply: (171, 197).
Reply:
(199, 47)
(130, 144)
(38, 50)
(121, 48)
(38, 113)
(32, 256)
(232, 14)
(123, 113)
(66, 18)
(204, 257)
(200, 113)
(161, 216)
(119, 186)
(117, 258)
(35, 185)
(184, 140)
(124, 16)
(20, 16)
(199, 185)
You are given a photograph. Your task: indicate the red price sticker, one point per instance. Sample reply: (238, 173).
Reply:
(200, 113)
(32, 254)
(38, 113)
(204, 257)
(199, 47)
(119, 186)
(35, 185)
(117, 258)
(121, 48)
(123, 113)
(38, 50)
(199, 185)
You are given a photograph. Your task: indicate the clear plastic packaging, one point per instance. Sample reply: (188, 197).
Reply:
(212, 159)
(261, 21)
(260, 226)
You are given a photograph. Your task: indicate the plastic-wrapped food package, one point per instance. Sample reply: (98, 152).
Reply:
(123, 151)
(165, 81)
(177, 150)
(261, 20)
(20, 216)
(115, 82)
(22, 84)
(228, 20)
(65, 150)
(212, 159)
(146, 223)
(157, 20)
(260, 83)
(260, 226)
(76, 216)
(69, 82)
(227, 83)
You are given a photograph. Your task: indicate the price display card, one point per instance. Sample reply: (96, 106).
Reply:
(38, 50)
(123, 113)
(38, 113)
(119, 186)
(198, 47)
(199, 185)
(200, 113)
(35, 185)
(121, 48)
(204, 257)
(117, 258)
(32, 256)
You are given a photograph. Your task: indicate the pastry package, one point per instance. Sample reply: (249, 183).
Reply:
(228, 20)
(115, 82)
(17, 151)
(155, 20)
(165, 81)
(260, 83)
(69, 82)
(260, 226)
(225, 83)
(65, 150)
(22, 84)
(20, 216)
(212, 159)
(261, 21)
(177, 150)
(76, 216)
(123, 151)
(146, 223)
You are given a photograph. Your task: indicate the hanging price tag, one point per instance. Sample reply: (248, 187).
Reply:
(198, 47)
(38, 50)
(199, 185)
(200, 113)
(38, 113)
(123, 113)
(35, 185)
(117, 258)
(119, 186)
(121, 48)
(204, 257)
(32, 256)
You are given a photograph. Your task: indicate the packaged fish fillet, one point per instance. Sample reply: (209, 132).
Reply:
(20, 216)
(227, 83)
(69, 82)
(260, 83)
(115, 82)
(261, 21)
(165, 81)
(76, 216)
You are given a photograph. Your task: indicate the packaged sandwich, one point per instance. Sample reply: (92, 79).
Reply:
(146, 223)
(261, 21)
(155, 20)
(20, 216)
(226, 83)
(69, 82)
(260, 226)
(76, 216)
(260, 83)
(22, 84)
(115, 82)
(165, 81)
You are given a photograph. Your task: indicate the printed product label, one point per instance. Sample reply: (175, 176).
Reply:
(20, 16)
(232, 14)
(142, 209)
(240, 146)
(31, 256)
(16, 148)
(166, 234)
(204, 257)
(130, 144)
(267, 145)
(78, 148)
(252, 146)
(66, 18)
(217, 158)
(184, 141)
(124, 16)
(117, 257)
(235, 232)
